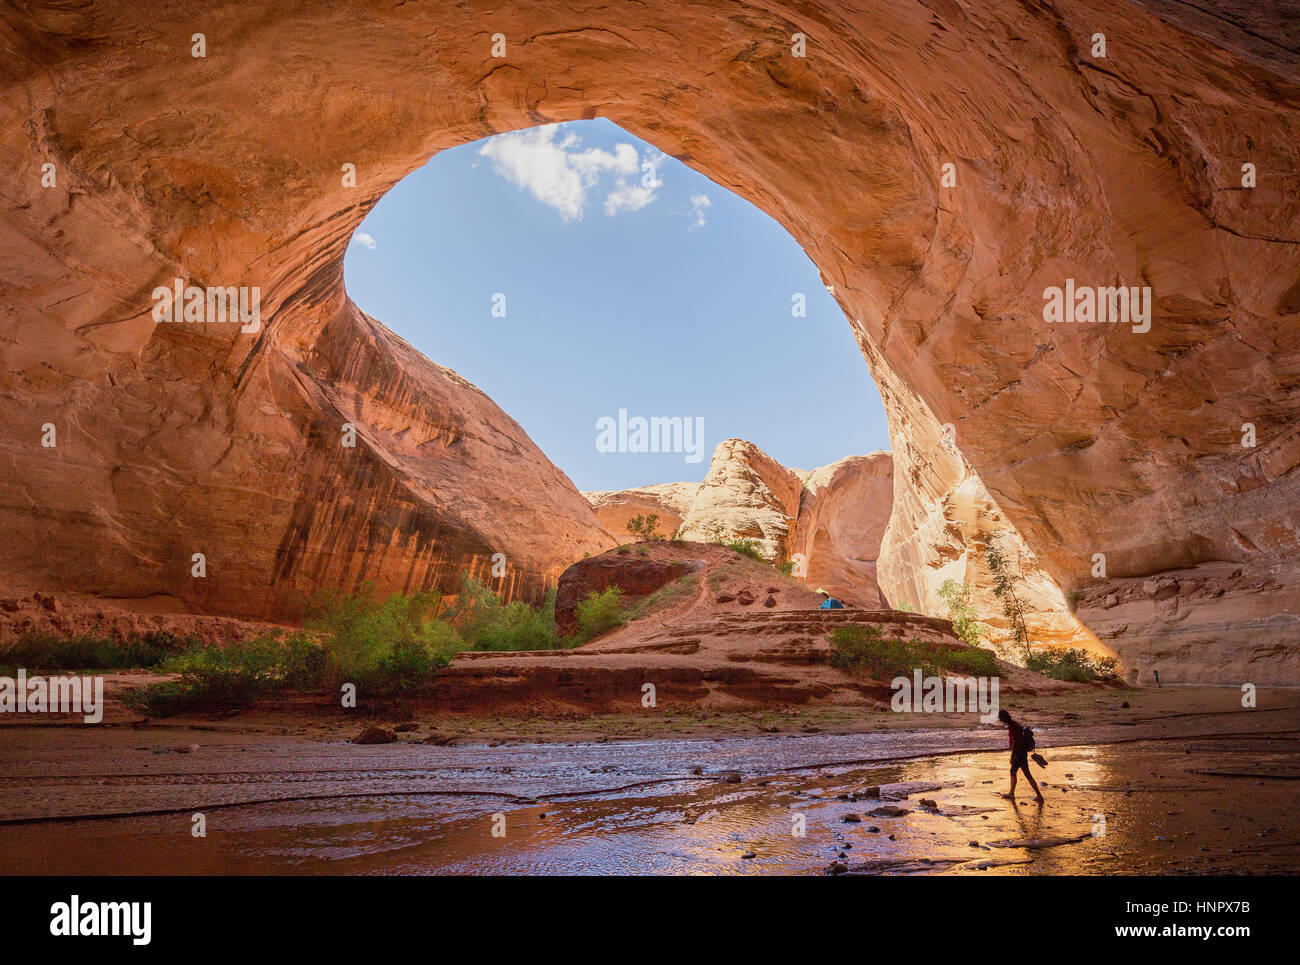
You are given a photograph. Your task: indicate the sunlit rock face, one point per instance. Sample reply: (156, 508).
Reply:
(747, 495)
(668, 501)
(942, 522)
(829, 521)
(229, 170)
(843, 512)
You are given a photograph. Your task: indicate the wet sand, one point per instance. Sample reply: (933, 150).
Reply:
(1186, 784)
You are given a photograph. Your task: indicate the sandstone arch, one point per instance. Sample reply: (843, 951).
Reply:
(225, 170)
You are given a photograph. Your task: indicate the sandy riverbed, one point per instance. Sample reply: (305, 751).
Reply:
(1186, 781)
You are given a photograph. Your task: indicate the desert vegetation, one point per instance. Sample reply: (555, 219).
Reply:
(964, 622)
(664, 596)
(866, 650)
(1073, 664)
(385, 646)
(598, 614)
(54, 652)
(1006, 578)
(645, 529)
(747, 547)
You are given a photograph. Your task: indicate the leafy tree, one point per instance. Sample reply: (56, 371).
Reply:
(960, 612)
(645, 528)
(1005, 578)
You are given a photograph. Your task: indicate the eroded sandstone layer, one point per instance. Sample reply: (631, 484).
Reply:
(228, 170)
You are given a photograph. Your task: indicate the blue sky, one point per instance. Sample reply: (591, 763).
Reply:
(629, 282)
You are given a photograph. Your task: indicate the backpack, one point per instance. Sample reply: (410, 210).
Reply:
(1027, 737)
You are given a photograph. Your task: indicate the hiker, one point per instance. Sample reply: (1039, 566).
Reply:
(1157, 673)
(829, 602)
(1021, 739)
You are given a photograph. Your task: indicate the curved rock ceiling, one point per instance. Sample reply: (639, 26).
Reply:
(226, 170)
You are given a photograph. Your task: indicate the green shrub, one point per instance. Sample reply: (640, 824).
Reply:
(960, 612)
(518, 626)
(866, 649)
(483, 622)
(217, 678)
(966, 662)
(302, 663)
(43, 650)
(392, 645)
(599, 613)
(164, 700)
(377, 641)
(645, 528)
(747, 547)
(1073, 664)
(385, 646)
(407, 668)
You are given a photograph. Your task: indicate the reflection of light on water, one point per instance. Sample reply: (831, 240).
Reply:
(1160, 815)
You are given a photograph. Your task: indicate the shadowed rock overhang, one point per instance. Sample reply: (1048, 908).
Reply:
(230, 170)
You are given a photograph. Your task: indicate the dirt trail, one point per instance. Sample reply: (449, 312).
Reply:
(732, 634)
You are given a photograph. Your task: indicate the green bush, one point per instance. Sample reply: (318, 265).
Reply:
(599, 613)
(966, 662)
(483, 622)
(645, 528)
(219, 678)
(392, 645)
(1073, 664)
(42, 650)
(960, 612)
(866, 649)
(747, 547)
(517, 626)
(165, 699)
(385, 646)
(369, 640)
(302, 663)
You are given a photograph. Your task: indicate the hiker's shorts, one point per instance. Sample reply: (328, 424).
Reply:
(1020, 761)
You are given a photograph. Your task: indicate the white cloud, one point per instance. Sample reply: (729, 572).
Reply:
(633, 197)
(700, 204)
(363, 239)
(558, 174)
